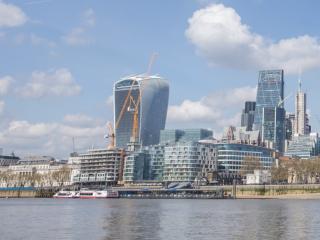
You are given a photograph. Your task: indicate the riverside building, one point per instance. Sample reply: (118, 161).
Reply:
(184, 162)
(230, 156)
(153, 92)
(99, 167)
(171, 136)
(304, 146)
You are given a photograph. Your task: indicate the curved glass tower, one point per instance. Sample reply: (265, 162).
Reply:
(152, 110)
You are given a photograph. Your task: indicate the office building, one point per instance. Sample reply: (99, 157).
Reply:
(146, 96)
(170, 136)
(289, 124)
(247, 116)
(273, 128)
(230, 156)
(301, 114)
(186, 161)
(303, 146)
(269, 94)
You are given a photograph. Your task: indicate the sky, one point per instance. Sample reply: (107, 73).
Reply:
(59, 60)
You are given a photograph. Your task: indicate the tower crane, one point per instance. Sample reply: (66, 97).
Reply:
(111, 136)
(132, 105)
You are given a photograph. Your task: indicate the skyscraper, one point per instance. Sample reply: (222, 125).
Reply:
(301, 115)
(152, 108)
(273, 128)
(270, 93)
(247, 116)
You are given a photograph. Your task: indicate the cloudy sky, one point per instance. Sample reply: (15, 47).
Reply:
(59, 60)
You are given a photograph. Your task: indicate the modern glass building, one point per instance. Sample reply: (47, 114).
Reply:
(136, 166)
(304, 146)
(169, 136)
(154, 92)
(184, 162)
(156, 154)
(269, 94)
(247, 115)
(273, 127)
(231, 156)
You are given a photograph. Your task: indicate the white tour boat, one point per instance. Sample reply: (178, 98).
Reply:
(89, 194)
(65, 194)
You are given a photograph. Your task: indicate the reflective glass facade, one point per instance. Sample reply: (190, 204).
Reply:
(183, 162)
(273, 127)
(269, 94)
(230, 156)
(169, 136)
(152, 109)
(304, 146)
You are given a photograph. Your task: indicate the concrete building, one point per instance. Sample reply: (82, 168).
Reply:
(259, 177)
(38, 171)
(233, 134)
(300, 112)
(184, 162)
(149, 94)
(99, 167)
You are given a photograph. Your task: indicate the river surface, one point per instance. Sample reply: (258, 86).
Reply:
(113, 219)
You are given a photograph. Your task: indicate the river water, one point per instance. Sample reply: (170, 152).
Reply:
(159, 219)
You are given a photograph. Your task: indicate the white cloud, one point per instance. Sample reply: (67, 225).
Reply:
(5, 83)
(49, 138)
(109, 102)
(79, 35)
(216, 110)
(11, 15)
(40, 41)
(89, 17)
(221, 37)
(2, 105)
(81, 120)
(53, 83)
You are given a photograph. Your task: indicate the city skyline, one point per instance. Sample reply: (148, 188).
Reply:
(56, 79)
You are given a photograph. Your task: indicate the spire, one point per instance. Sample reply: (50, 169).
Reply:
(299, 80)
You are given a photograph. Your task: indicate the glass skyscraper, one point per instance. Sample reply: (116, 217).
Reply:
(152, 112)
(273, 127)
(270, 93)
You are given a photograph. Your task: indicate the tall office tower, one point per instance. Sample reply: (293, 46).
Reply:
(247, 115)
(273, 128)
(290, 122)
(140, 109)
(270, 93)
(301, 115)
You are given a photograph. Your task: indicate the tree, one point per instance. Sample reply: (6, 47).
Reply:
(249, 164)
(280, 172)
(62, 175)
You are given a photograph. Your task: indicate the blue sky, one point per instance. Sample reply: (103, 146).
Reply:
(59, 60)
